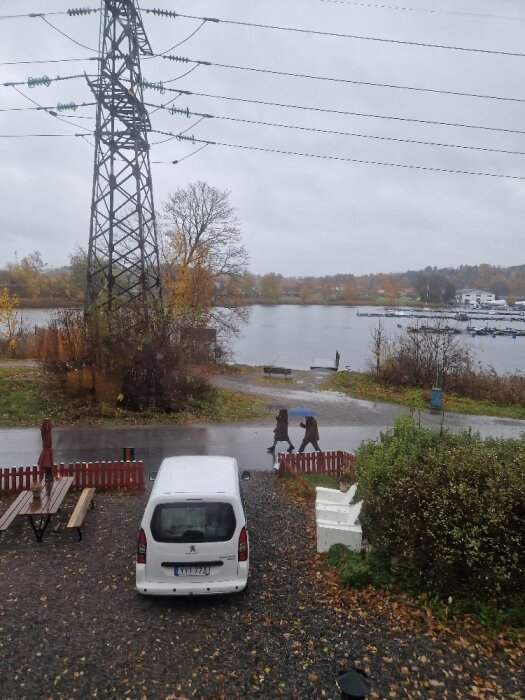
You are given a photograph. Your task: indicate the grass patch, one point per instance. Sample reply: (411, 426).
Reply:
(359, 385)
(25, 399)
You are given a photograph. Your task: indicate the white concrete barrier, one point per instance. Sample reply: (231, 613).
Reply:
(336, 519)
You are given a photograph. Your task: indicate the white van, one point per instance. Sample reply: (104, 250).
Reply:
(193, 538)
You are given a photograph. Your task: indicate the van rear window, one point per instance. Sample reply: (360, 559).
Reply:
(193, 522)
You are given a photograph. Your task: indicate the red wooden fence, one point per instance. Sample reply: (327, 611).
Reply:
(334, 462)
(102, 475)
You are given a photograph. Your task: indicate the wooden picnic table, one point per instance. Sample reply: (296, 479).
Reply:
(39, 511)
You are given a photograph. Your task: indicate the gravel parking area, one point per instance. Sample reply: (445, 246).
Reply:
(72, 626)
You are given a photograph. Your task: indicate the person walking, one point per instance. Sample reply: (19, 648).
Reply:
(311, 434)
(280, 432)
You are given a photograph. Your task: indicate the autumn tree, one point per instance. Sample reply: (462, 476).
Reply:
(27, 276)
(201, 247)
(306, 290)
(349, 291)
(270, 286)
(9, 321)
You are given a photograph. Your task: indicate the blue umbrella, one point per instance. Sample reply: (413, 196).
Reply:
(301, 411)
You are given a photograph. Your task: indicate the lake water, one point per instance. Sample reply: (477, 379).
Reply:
(293, 336)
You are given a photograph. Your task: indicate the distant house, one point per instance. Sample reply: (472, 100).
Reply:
(474, 297)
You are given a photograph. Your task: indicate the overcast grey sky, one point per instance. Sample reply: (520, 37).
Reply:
(299, 215)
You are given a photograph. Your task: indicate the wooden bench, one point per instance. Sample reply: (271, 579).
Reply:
(14, 509)
(278, 370)
(81, 508)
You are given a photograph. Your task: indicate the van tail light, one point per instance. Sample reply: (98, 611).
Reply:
(243, 545)
(141, 548)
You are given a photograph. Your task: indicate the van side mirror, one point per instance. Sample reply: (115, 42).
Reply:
(246, 476)
(153, 476)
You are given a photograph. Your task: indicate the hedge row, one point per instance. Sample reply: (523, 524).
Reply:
(448, 510)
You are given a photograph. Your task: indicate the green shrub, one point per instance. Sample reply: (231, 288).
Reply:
(448, 509)
(359, 570)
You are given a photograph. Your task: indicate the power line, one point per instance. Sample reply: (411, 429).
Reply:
(35, 15)
(78, 43)
(51, 114)
(175, 162)
(338, 35)
(43, 80)
(325, 110)
(173, 80)
(50, 60)
(175, 46)
(30, 136)
(256, 122)
(425, 10)
(32, 15)
(59, 107)
(175, 136)
(361, 161)
(344, 80)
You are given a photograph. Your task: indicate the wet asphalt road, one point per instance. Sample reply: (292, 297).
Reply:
(343, 424)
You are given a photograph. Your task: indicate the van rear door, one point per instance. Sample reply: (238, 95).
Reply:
(195, 540)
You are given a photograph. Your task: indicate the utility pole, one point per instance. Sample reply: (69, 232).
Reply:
(123, 256)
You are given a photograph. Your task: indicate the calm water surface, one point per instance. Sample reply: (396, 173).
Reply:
(293, 336)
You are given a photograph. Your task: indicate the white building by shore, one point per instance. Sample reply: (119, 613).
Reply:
(474, 297)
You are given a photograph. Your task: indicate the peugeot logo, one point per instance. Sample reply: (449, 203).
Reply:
(192, 548)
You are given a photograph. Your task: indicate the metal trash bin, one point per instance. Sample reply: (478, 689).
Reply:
(436, 397)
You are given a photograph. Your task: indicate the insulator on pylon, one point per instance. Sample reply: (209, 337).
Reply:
(62, 106)
(80, 11)
(161, 13)
(33, 82)
(180, 110)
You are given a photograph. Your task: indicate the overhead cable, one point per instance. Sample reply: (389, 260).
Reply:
(407, 166)
(175, 46)
(71, 12)
(31, 136)
(325, 110)
(175, 162)
(31, 14)
(427, 10)
(42, 80)
(183, 75)
(53, 114)
(435, 91)
(174, 136)
(338, 35)
(187, 113)
(50, 60)
(78, 43)
(60, 107)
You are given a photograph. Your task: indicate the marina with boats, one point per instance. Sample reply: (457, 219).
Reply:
(479, 322)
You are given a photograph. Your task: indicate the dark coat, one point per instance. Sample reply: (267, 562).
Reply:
(281, 428)
(311, 431)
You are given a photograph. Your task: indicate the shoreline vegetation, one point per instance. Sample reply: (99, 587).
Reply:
(360, 385)
(25, 397)
(381, 302)
(51, 303)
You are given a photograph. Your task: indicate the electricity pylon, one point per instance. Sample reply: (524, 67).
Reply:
(123, 256)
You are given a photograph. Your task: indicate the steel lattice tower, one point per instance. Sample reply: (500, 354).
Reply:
(123, 254)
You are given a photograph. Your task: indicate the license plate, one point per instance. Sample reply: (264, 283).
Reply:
(192, 571)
